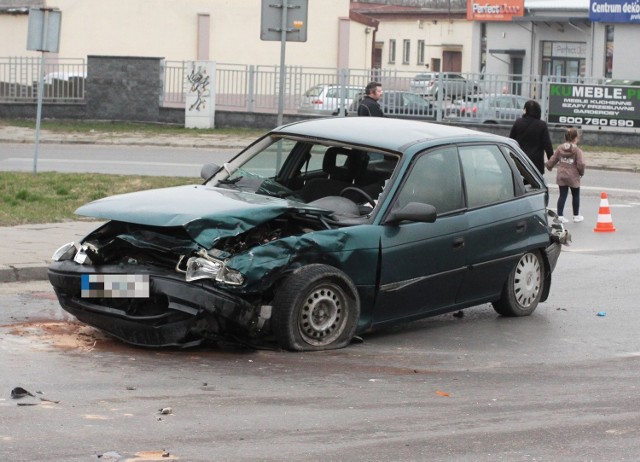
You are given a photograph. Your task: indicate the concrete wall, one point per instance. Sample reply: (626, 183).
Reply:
(123, 88)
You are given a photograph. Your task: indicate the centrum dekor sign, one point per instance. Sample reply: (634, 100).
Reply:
(494, 10)
(614, 11)
(594, 105)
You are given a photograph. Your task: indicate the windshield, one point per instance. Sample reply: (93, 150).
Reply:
(307, 170)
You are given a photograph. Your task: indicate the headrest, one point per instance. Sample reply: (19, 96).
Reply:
(344, 164)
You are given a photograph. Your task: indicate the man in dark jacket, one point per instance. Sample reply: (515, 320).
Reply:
(369, 104)
(532, 134)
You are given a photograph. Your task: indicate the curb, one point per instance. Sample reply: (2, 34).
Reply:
(24, 273)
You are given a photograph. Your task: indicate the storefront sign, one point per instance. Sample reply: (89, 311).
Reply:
(627, 11)
(594, 105)
(569, 49)
(494, 10)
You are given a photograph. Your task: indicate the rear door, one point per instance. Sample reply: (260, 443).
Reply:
(500, 220)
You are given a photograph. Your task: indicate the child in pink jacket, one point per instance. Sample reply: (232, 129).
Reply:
(570, 168)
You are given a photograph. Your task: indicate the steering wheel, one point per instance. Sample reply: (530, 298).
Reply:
(361, 192)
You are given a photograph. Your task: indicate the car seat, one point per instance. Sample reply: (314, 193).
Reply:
(340, 171)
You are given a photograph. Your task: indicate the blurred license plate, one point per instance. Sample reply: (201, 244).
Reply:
(115, 286)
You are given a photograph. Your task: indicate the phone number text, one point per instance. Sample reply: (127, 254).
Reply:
(596, 121)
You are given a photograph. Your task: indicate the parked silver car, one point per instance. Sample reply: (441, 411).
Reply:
(397, 102)
(487, 109)
(454, 85)
(325, 98)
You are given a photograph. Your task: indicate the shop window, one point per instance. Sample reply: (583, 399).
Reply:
(608, 58)
(565, 61)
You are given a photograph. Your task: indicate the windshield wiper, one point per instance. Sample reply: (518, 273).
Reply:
(231, 180)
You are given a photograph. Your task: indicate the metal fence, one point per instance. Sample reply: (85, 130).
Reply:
(63, 80)
(471, 97)
(256, 89)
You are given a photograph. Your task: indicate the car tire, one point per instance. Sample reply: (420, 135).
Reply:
(523, 289)
(315, 308)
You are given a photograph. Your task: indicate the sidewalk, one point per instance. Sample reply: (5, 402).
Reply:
(26, 250)
(10, 134)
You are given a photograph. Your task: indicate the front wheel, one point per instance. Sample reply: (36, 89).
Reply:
(524, 286)
(315, 308)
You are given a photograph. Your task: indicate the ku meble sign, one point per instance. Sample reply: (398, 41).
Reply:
(494, 10)
(594, 105)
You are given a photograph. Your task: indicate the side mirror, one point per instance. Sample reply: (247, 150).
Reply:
(413, 211)
(208, 170)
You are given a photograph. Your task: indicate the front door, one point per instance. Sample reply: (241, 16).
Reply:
(423, 263)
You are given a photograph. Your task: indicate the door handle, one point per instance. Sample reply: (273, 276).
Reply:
(521, 226)
(458, 243)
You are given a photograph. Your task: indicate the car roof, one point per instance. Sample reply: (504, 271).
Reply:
(381, 132)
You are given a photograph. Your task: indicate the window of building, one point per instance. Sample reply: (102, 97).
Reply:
(566, 61)
(483, 47)
(392, 51)
(406, 51)
(421, 52)
(608, 58)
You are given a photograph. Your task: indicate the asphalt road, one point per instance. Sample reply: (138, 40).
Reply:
(124, 160)
(560, 385)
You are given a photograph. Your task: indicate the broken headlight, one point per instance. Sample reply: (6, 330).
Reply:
(209, 268)
(66, 252)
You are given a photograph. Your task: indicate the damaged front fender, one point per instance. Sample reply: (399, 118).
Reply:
(265, 264)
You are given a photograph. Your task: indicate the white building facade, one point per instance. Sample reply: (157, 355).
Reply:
(552, 38)
(226, 31)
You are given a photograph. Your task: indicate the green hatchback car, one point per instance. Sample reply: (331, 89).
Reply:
(316, 232)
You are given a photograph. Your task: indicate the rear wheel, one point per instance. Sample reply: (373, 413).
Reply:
(315, 308)
(523, 289)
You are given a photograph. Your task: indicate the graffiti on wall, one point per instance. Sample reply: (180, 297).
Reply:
(199, 80)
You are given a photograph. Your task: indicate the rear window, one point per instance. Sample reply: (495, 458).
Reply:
(314, 91)
(351, 93)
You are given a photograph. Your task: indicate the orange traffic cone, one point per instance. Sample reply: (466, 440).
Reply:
(604, 224)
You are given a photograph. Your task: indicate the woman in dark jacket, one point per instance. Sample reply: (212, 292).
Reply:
(532, 134)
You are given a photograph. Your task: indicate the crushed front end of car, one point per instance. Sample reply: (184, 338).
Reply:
(163, 278)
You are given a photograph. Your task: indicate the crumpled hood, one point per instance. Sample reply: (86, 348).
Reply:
(206, 213)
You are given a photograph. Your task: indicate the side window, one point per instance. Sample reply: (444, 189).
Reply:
(487, 175)
(504, 102)
(315, 160)
(528, 181)
(434, 179)
(333, 93)
(268, 162)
